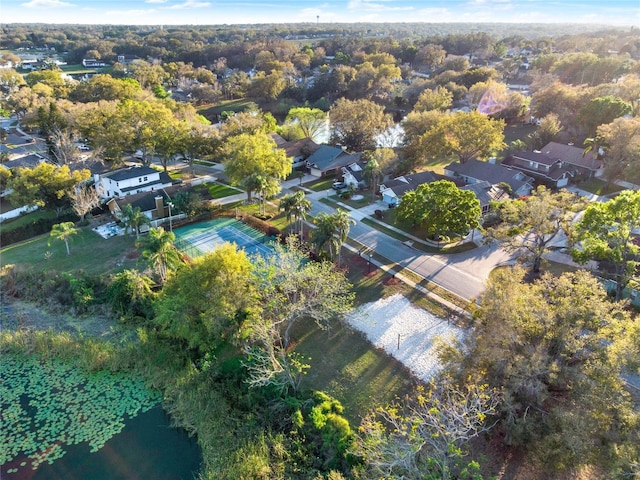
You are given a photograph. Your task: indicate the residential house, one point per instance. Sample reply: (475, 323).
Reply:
(298, 150)
(545, 169)
(587, 164)
(92, 63)
(352, 175)
(126, 59)
(129, 181)
(156, 205)
(328, 160)
(393, 190)
(487, 193)
(475, 171)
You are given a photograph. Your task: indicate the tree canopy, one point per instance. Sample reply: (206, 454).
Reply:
(355, 124)
(544, 345)
(466, 135)
(605, 233)
(45, 185)
(247, 156)
(441, 208)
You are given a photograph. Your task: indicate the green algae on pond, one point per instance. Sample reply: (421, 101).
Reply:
(46, 406)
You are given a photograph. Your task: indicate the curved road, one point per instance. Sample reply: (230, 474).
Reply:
(462, 273)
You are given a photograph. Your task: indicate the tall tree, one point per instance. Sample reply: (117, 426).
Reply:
(133, 218)
(602, 111)
(83, 200)
(356, 123)
(531, 225)
(291, 288)
(438, 99)
(45, 185)
(467, 135)
(620, 141)
(311, 121)
(333, 231)
(206, 302)
(605, 233)
(428, 436)
(160, 252)
(372, 174)
(63, 231)
(246, 156)
(441, 208)
(295, 207)
(544, 346)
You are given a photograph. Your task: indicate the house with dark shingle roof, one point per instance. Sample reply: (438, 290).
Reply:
(487, 193)
(129, 181)
(475, 171)
(545, 169)
(393, 190)
(587, 164)
(328, 160)
(298, 150)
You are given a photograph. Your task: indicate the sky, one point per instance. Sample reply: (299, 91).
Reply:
(216, 12)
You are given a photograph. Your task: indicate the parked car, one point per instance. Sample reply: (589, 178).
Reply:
(337, 185)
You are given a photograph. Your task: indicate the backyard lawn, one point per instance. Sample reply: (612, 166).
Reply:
(217, 190)
(89, 252)
(599, 187)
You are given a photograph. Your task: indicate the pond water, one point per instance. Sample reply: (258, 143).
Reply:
(58, 422)
(147, 448)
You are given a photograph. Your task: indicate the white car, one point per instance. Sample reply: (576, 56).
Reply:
(83, 147)
(337, 185)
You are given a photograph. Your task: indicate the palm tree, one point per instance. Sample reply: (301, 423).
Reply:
(333, 230)
(325, 233)
(296, 207)
(159, 251)
(372, 173)
(63, 231)
(133, 218)
(343, 222)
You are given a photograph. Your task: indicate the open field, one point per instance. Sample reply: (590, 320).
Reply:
(89, 252)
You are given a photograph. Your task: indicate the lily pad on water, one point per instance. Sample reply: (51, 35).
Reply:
(47, 405)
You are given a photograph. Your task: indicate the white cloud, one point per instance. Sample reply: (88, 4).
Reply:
(188, 4)
(155, 1)
(46, 3)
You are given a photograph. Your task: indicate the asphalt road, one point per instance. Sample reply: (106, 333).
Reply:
(462, 273)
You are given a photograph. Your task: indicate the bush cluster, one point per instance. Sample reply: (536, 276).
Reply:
(33, 229)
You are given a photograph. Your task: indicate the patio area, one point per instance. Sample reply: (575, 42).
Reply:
(108, 230)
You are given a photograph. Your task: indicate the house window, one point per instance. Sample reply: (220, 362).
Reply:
(139, 180)
(145, 179)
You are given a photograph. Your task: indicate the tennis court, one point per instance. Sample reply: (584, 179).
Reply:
(199, 239)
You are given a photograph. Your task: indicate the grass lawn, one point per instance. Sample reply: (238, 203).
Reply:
(89, 252)
(321, 184)
(226, 106)
(18, 222)
(217, 190)
(599, 187)
(518, 132)
(77, 68)
(343, 362)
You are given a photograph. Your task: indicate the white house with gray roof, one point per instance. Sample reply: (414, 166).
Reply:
(129, 181)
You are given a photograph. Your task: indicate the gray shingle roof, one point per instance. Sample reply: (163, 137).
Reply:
(130, 172)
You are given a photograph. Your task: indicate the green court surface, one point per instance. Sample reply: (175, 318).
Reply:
(201, 238)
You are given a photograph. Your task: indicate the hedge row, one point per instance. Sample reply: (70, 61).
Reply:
(33, 229)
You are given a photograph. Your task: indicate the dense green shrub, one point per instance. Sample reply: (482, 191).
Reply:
(32, 229)
(131, 296)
